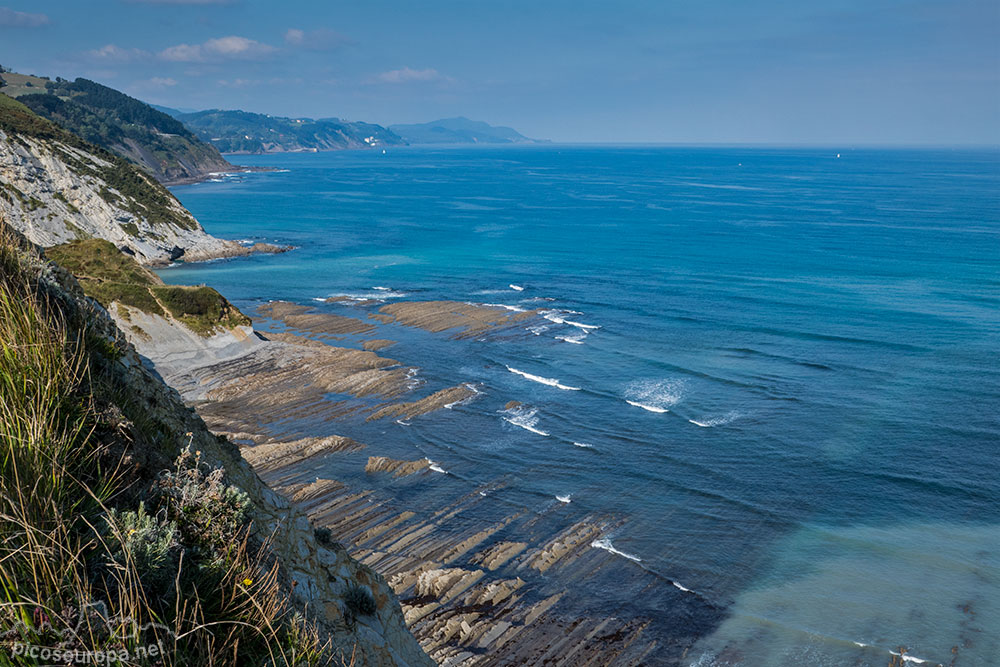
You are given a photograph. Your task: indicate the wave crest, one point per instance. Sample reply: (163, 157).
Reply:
(524, 417)
(654, 395)
(537, 378)
(605, 543)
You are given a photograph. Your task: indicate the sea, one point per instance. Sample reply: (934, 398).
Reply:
(777, 368)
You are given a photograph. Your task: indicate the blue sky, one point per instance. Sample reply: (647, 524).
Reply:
(840, 72)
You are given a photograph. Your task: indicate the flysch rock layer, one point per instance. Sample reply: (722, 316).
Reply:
(395, 466)
(305, 318)
(510, 591)
(469, 319)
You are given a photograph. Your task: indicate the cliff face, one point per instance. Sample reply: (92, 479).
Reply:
(55, 188)
(318, 576)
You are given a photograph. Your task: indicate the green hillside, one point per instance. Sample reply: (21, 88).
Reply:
(459, 131)
(106, 117)
(245, 132)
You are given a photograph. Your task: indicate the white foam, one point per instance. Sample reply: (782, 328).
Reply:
(412, 381)
(382, 289)
(686, 590)
(525, 418)
(467, 399)
(537, 378)
(585, 445)
(538, 330)
(435, 467)
(556, 316)
(379, 294)
(516, 309)
(576, 340)
(909, 658)
(605, 543)
(654, 395)
(402, 423)
(516, 288)
(563, 499)
(717, 421)
(651, 408)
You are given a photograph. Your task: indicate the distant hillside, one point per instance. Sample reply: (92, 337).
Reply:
(106, 117)
(245, 132)
(459, 131)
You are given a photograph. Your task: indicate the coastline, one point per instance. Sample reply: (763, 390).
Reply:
(478, 579)
(207, 176)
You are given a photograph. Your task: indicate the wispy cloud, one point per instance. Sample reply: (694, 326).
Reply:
(117, 54)
(409, 75)
(321, 39)
(154, 84)
(10, 18)
(223, 48)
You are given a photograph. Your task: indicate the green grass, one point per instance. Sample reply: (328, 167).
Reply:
(202, 309)
(103, 503)
(97, 259)
(109, 275)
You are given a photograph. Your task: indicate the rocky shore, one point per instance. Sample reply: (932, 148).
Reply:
(520, 587)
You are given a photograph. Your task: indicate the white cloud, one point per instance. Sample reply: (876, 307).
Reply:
(321, 39)
(10, 18)
(163, 81)
(222, 48)
(114, 53)
(408, 75)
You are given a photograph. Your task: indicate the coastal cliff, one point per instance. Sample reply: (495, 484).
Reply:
(55, 187)
(195, 519)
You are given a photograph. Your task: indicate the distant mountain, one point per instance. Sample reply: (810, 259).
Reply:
(111, 119)
(171, 111)
(245, 132)
(459, 131)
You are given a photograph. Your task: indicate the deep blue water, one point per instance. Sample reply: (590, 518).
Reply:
(816, 342)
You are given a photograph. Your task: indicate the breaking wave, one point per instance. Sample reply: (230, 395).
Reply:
(537, 378)
(717, 421)
(526, 418)
(605, 543)
(654, 396)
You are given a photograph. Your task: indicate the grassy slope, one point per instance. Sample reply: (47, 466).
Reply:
(102, 504)
(109, 275)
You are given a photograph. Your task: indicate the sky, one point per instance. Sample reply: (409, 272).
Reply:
(830, 72)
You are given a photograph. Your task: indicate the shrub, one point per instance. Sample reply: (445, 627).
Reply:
(145, 542)
(359, 601)
(323, 535)
(207, 511)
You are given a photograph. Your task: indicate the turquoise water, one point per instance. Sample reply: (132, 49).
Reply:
(784, 365)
